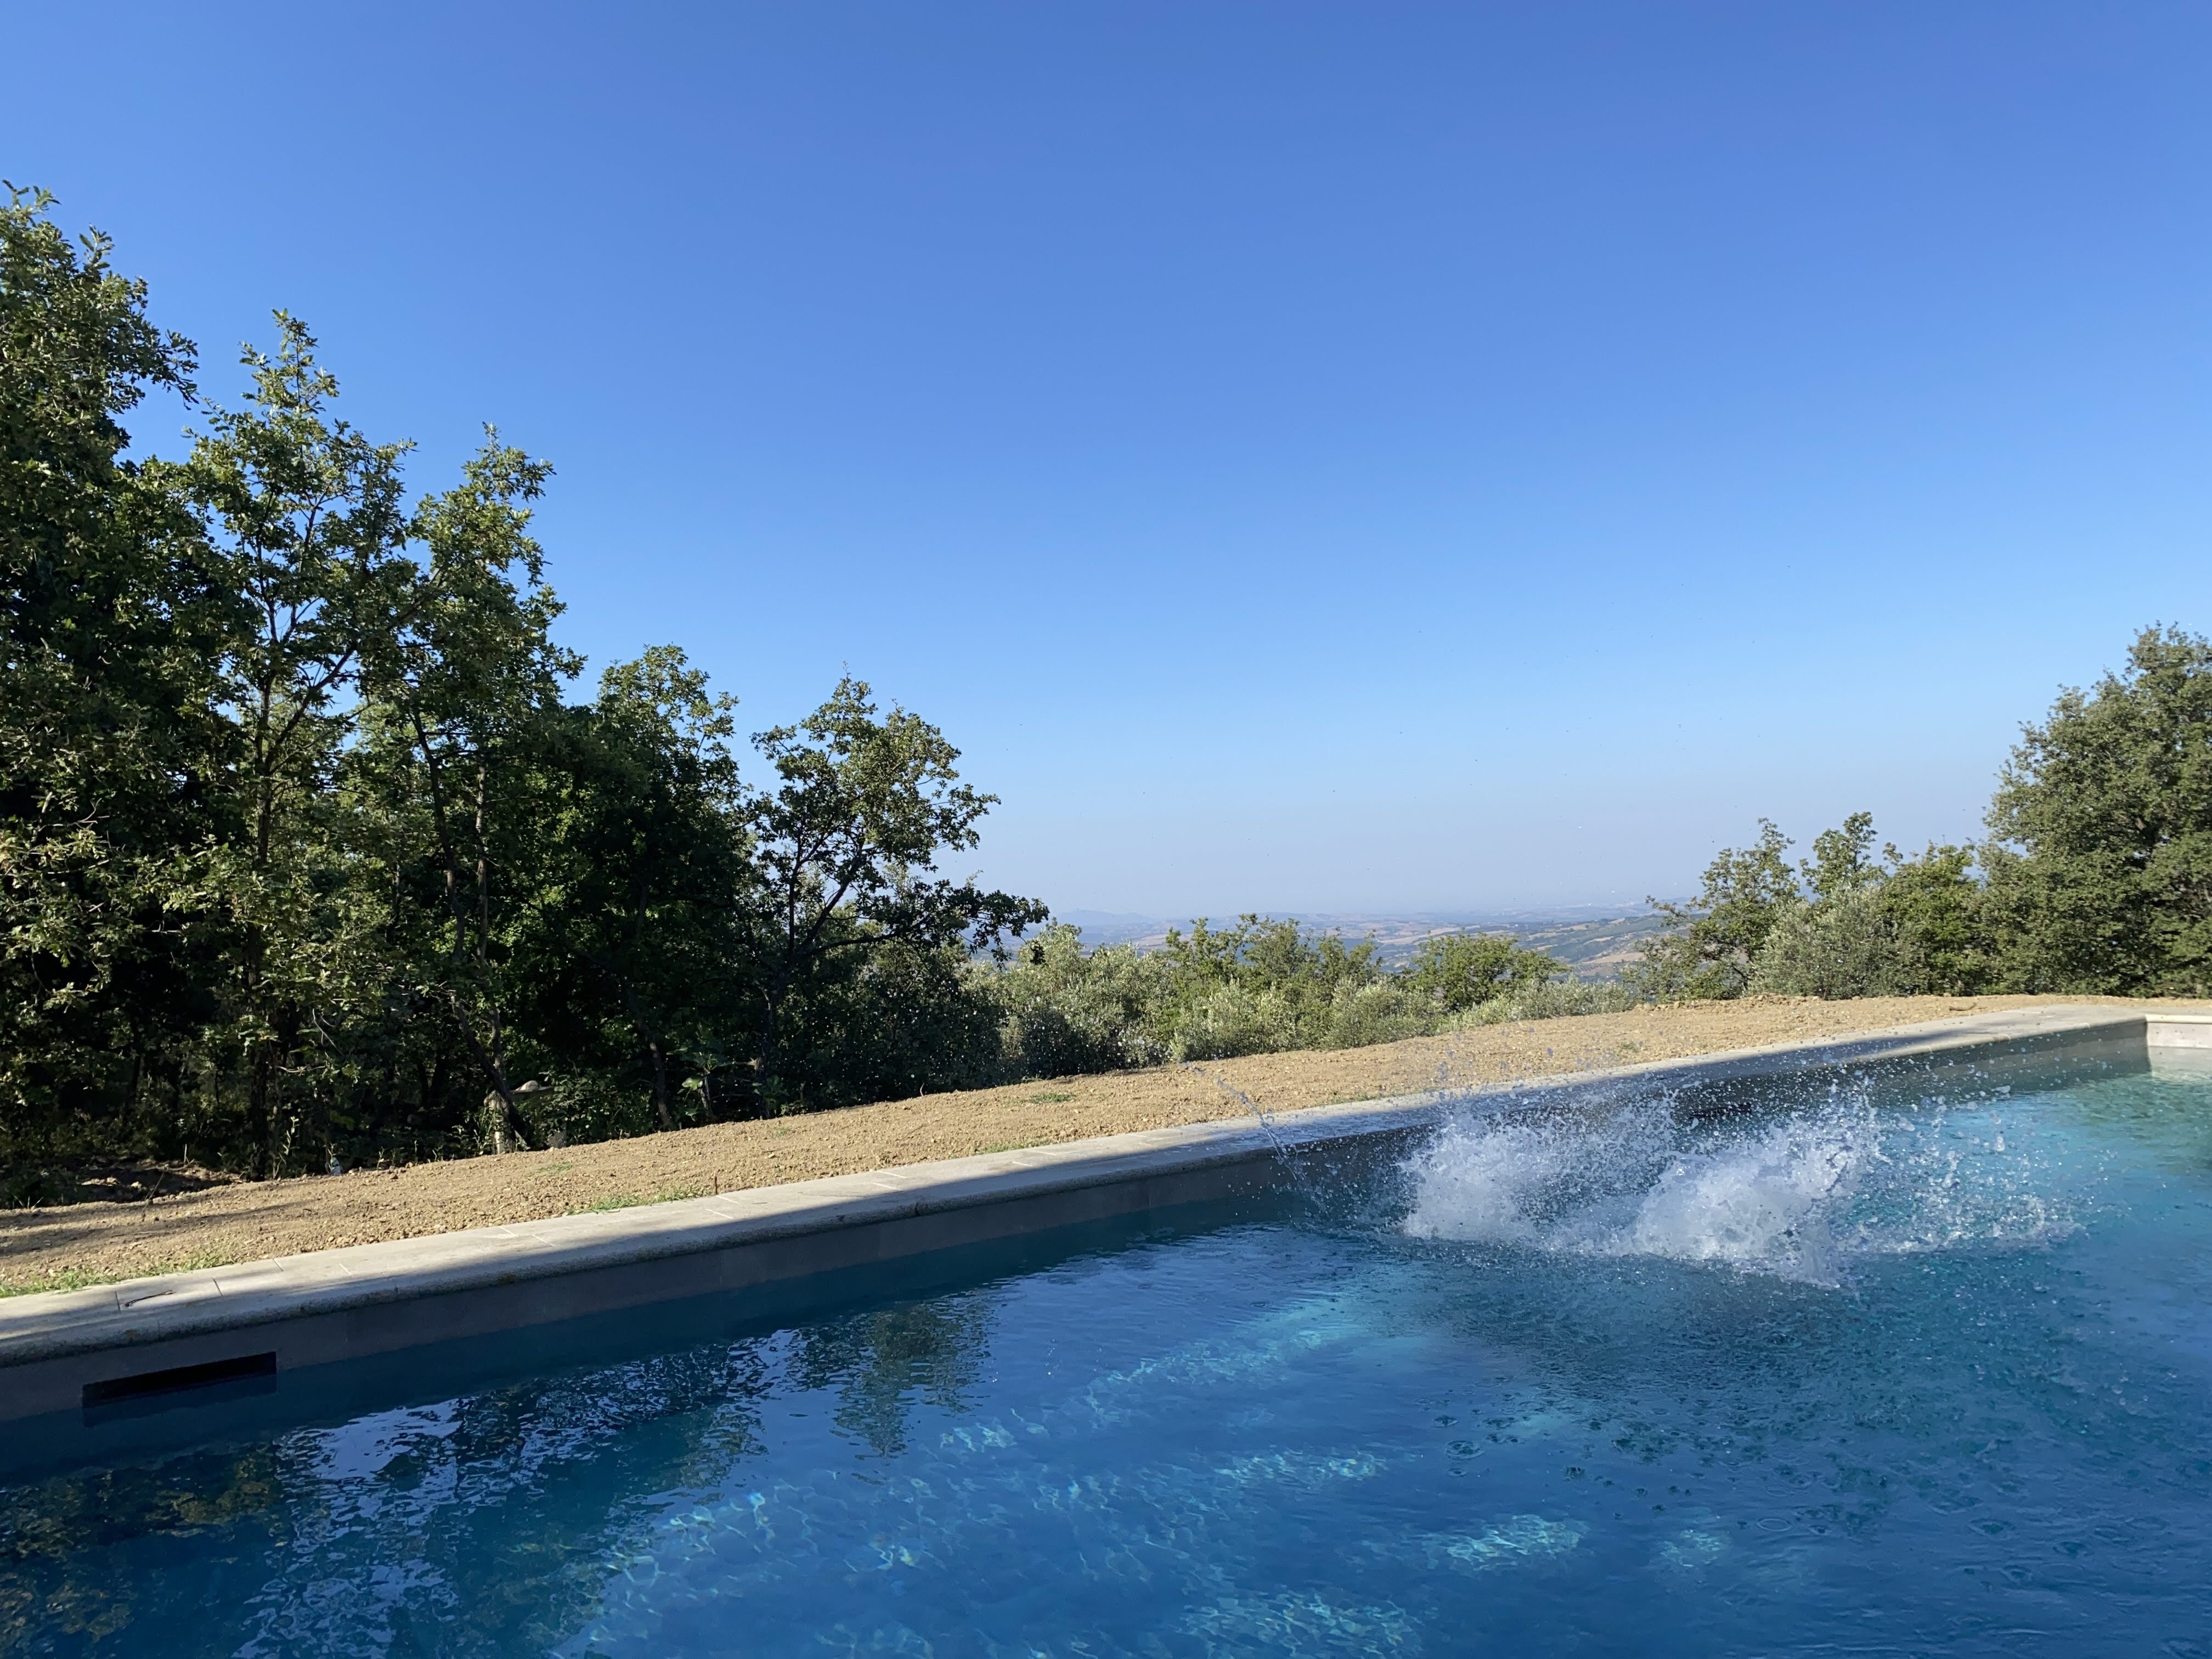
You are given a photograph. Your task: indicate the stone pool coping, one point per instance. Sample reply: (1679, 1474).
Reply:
(58, 1348)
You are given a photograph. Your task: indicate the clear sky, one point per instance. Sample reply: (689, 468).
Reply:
(1309, 456)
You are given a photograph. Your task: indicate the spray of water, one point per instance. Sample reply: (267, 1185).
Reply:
(1284, 1160)
(1799, 1196)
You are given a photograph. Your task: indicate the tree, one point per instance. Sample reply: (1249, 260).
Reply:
(111, 747)
(307, 518)
(1842, 862)
(846, 844)
(1837, 938)
(1845, 946)
(1715, 940)
(640, 944)
(2100, 853)
(302, 847)
(904, 1018)
(464, 710)
(1940, 911)
(1864, 927)
(1457, 971)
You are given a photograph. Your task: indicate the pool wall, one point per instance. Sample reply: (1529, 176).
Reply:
(115, 1353)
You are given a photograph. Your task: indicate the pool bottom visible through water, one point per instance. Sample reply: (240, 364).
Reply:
(1864, 1376)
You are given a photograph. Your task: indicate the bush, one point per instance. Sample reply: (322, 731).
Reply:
(573, 1107)
(1226, 1021)
(1262, 986)
(1844, 924)
(1851, 946)
(1553, 999)
(1456, 972)
(1364, 1015)
(1067, 1013)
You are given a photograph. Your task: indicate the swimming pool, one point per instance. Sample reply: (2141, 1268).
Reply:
(1874, 1371)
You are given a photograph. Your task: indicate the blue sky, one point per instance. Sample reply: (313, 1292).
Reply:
(1325, 458)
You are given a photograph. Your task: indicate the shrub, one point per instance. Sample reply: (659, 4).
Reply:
(1384, 1013)
(1067, 1013)
(1456, 972)
(1849, 946)
(1553, 999)
(1229, 1020)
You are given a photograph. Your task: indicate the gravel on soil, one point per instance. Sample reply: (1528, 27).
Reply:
(89, 1244)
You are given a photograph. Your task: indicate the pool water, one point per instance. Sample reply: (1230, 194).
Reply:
(1868, 1375)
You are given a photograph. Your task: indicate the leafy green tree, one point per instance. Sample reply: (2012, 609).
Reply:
(1843, 861)
(302, 849)
(1837, 938)
(904, 1018)
(640, 944)
(308, 519)
(846, 844)
(112, 751)
(1716, 940)
(464, 714)
(1845, 946)
(1866, 926)
(2101, 859)
(1941, 913)
(1456, 971)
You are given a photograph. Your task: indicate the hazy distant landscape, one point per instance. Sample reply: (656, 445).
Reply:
(1595, 941)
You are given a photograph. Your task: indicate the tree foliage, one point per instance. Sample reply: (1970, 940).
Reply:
(1716, 939)
(846, 844)
(1260, 986)
(2100, 862)
(305, 852)
(2096, 878)
(113, 759)
(1457, 971)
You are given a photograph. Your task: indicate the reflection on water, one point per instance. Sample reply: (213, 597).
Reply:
(880, 1364)
(1872, 1376)
(373, 1537)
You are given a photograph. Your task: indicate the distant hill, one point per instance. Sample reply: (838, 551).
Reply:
(1595, 941)
(1596, 950)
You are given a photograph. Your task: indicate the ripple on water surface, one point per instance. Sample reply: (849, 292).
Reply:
(1872, 1376)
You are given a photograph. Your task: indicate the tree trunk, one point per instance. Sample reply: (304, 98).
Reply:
(660, 1113)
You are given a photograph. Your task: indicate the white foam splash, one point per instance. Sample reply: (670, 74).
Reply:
(1796, 1197)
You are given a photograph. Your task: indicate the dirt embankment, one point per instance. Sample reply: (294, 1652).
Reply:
(91, 1244)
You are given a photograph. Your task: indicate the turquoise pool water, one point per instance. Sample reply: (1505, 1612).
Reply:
(1861, 1376)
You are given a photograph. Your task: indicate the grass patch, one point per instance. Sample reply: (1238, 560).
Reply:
(85, 1279)
(632, 1201)
(1050, 1097)
(1012, 1146)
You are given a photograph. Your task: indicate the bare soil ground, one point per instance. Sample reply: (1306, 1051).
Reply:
(95, 1242)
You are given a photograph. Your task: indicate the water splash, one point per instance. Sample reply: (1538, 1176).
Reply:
(1798, 1197)
(1285, 1160)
